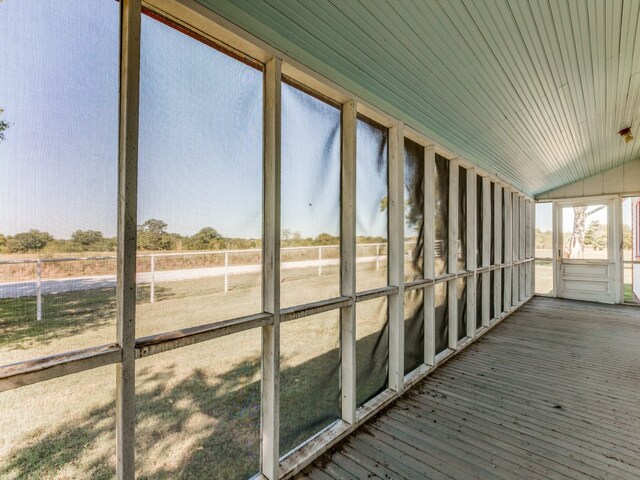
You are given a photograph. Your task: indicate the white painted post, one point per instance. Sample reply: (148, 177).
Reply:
(515, 245)
(153, 279)
(395, 256)
(471, 219)
(348, 262)
(429, 255)
(522, 246)
(486, 250)
(270, 411)
(226, 272)
(38, 290)
(377, 256)
(452, 260)
(508, 249)
(130, 18)
(497, 245)
(319, 261)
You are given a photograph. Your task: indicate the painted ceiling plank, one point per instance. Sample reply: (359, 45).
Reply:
(531, 90)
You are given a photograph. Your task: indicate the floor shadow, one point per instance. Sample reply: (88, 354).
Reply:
(213, 421)
(63, 315)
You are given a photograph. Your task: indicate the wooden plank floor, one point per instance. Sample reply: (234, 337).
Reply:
(552, 392)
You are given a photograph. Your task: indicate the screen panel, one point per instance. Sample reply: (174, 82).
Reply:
(462, 307)
(372, 349)
(441, 316)
(310, 199)
(413, 210)
(58, 176)
(372, 190)
(63, 428)
(309, 377)
(441, 215)
(413, 329)
(200, 183)
(479, 226)
(198, 410)
(462, 220)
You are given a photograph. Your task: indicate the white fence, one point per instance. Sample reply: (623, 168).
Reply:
(321, 260)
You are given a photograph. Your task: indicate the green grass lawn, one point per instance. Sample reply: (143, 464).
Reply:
(198, 407)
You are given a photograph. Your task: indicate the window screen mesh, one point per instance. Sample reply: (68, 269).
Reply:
(413, 330)
(441, 316)
(494, 260)
(479, 300)
(372, 349)
(309, 377)
(200, 183)
(494, 308)
(504, 253)
(462, 307)
(198, 410)
(310, 199)
(462, 219)
(372, 165)
(63, 428)
(59, 72)
(441, 214)
(479, 226)
(413, 210)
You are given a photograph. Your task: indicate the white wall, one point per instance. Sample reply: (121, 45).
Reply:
(624, 179)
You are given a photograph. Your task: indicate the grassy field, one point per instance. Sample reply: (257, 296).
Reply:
(197, 407)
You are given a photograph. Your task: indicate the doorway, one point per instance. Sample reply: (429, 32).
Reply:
(585, 250)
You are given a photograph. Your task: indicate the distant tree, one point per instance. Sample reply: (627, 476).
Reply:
(32, 240)
(288, 234)
(3, 241)
(3, 125)
(206, 238)
(326, 239)
(626, 237)
(152, 235)
(596, 235)
(87, 238)
(576, 241)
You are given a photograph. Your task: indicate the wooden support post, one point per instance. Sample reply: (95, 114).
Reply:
(453, 253)
(515, 243)
(348, 261)
(532, 247)
(486, 250)
(508, 248)
(429, 255)
(270, 413)
(497, 245)
(522, 246)
(130, 18)
(471, 219)
(395, 257)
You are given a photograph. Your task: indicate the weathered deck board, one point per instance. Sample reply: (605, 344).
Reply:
(552, 392)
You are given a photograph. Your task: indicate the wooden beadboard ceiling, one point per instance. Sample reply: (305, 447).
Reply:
(532, 90)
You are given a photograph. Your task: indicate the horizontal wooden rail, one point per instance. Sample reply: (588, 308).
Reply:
(45, 368)
(163, 342)
(375, 293)
(301, 311)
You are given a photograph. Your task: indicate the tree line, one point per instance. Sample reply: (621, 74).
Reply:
(154, 236)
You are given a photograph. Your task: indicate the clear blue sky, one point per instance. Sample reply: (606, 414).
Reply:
(200, 161)
(200, 133)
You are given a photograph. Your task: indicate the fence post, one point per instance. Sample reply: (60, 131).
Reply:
(153, 279)
(319, 261)
(226, 272)
(38, 290)
(378, 257)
